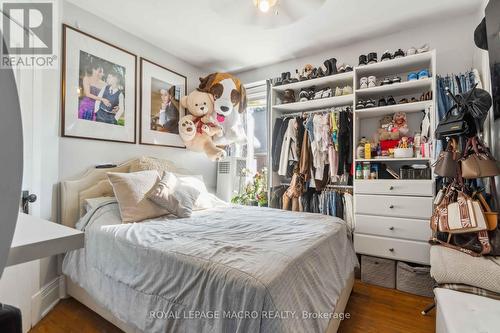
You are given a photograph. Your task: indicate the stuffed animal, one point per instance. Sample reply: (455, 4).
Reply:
(288, 96)
(385, 131)
(400, 124)
(230, 101)
(198, 127)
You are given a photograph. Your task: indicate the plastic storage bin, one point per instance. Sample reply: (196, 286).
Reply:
(378, 271)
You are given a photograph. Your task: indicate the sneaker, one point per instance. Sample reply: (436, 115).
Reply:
(386, 56)
(363, 83)
(327, 93)
(318, 94)
(372, 81)
(413, 100)
(347, 90)
(412, 76)
(382, 102)
(391, 101)
(396, 79)
(386, 81)
(423, 48)
(338, 91)
(370, 103)
(362, 60)
(399, 54)
(423, 74)
(341, 69)
(411, 51)
(348, 68)
(360, 104)
(304, 94)
(403, 101)
(372, 57)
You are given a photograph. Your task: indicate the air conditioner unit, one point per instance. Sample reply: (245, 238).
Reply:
(229, 177)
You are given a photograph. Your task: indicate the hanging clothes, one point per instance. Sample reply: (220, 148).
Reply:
(319, 145)
(289, 147)
(345, 142)
(279, 130)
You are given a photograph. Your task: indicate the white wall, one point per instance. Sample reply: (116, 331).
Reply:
(452, 39)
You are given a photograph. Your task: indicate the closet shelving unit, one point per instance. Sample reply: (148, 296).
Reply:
(279, 110)
(392, 216)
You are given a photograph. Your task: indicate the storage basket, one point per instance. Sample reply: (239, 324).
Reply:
(378, 271)
(414, 279)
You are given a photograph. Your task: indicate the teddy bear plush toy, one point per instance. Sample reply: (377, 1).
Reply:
(399, 123)
(385, 131)
(199, 127)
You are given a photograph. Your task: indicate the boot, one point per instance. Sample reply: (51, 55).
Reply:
(287, 78)
(314, 73)
(333, 64)
(362, 60)
(321, 72)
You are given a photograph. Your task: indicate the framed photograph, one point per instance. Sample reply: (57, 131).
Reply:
(98, 98)
(161, 92)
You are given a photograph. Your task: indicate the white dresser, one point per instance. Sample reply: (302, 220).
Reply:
(392, 219)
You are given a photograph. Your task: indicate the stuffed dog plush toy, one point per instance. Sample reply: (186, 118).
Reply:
(198, 128)
(230, 101)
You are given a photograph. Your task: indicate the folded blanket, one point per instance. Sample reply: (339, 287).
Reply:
(470, 290)
(451, 266)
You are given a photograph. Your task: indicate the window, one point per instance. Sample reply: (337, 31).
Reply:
(256, 126)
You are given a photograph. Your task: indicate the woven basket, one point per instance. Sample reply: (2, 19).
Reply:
(378, 271)
(414, 279)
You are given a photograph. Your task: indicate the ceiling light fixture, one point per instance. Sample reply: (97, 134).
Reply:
(265, 5)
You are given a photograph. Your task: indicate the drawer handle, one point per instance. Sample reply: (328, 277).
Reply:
(391, 249)
(391, 228)
(391, 188)
(391, 206)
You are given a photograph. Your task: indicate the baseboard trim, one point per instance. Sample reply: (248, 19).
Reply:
(45, 299)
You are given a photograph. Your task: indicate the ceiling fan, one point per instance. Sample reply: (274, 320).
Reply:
(259, 12)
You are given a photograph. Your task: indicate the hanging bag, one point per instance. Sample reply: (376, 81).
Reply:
(453, 124)
(447, 162)
(477, 161)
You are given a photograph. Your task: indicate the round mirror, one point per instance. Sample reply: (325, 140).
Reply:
(11, 159)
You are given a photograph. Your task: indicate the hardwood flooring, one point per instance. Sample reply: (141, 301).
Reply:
(372, 310)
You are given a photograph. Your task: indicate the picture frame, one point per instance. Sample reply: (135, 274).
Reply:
(98, 89)
(161, 90)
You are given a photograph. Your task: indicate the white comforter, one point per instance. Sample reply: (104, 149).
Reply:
(226, 269)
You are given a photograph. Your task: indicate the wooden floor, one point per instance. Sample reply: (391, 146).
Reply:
(371, 309)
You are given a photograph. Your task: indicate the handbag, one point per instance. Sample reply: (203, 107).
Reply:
(447, 162)
(491, 216)
(461, 217)
(453, 124)
(477, 161)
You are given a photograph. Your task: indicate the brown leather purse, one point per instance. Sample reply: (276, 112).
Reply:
(477, 161)
(447, 162)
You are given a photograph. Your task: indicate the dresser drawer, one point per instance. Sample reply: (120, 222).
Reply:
(396, 187)
(398, 249)
(393, 227)
(395, 206)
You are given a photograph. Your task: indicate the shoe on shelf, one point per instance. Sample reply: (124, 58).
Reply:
(327, 93)
(277, 82)
(386, 81)
(338, 91)
(411, 51)
(363, 83)
(382, 102)
(348, 68)
(331, 66)
(386, 56)
(391, 101)
(372, 57)
(304, 94)
(319, 94)
(314, 73)
(423, 48)
(412, 76)
(321, 71)
(347, 90)
(360, 105)
(396, 79)
(362, 60)
(370, 103)
(372, 81)
(341, 69)
(399, 54)
(287, 78)
(423, 74)
(403, 101)
(413, 100)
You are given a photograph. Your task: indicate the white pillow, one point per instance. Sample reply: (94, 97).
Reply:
(175, 194)
(205, 200)
(92, 203)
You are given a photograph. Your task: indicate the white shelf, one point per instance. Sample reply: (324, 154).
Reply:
(396, 66)
(390, 109)
(393, 159)
(35, 238)
(336, 79)
(397, 89)
(316, 103)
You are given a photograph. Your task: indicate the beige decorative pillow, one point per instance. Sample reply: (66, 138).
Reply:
(152, 163)
(130, 191)
(175, 194)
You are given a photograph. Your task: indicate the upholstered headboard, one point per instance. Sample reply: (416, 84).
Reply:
(92, 184)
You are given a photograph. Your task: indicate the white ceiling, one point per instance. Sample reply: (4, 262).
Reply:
(209, 34)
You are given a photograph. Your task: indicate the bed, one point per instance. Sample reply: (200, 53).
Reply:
(228, 268)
